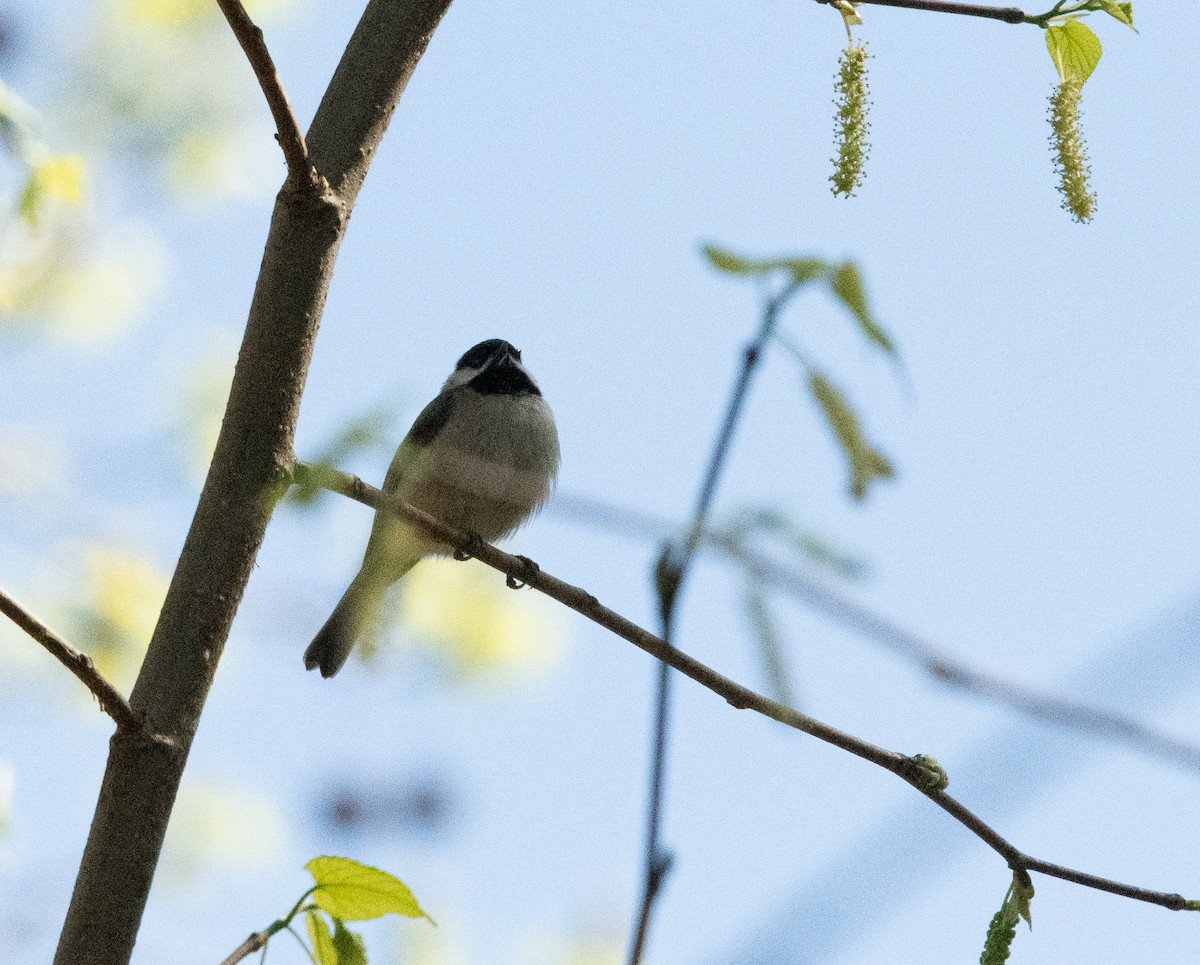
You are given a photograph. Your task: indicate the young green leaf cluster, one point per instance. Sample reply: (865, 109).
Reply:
(867, 464)
(344, 890)
(850, 121)
(1075, 51)
(1003, 927)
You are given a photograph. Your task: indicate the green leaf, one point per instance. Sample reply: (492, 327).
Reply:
(1022, 897)
(349, 945)
(1074, 49)
(732, 264)
(1120, 11)
(867, 464)
(1003, 927)
(770, 643)
(322, 942)
(357, 892)
(846, 283)
(802, 270)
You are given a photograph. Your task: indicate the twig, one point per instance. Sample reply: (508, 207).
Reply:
(920, 772)
(247, 948)
(671, 575)
(656, 861)
(935, 661)
(301, 172)
(80, 664)
(1006, 14)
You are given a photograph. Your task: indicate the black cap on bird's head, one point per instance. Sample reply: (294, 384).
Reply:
(479, 355)
(494, 368)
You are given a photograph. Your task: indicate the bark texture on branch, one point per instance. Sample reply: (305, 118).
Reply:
(250, 469)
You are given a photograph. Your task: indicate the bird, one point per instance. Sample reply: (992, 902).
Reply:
(482, 456)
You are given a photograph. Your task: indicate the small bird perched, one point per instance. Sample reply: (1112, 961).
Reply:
(482, 456)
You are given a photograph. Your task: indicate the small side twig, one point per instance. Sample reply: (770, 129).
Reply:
(302, 175)
(920, 772)
(1004, 14)
(254, 943)
(80, 664)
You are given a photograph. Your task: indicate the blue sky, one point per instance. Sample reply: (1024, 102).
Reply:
(548, 178)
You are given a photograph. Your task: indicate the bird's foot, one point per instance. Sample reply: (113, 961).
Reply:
(529, 574)
(476, 544)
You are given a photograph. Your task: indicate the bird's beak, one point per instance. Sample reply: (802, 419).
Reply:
(504, 358)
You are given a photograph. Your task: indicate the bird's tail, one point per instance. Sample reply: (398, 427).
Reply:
(334, 641)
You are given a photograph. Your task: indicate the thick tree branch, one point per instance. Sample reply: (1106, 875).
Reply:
(301, 173)
(922, 772)
(248, 472)
(80, 664)
(937, 662)
(1005, 14)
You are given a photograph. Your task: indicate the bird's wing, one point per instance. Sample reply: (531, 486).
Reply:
(428, 424)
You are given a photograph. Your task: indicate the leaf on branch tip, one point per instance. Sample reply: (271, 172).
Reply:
(867, 464)
(846, 283)
(322, 942)
(348, 945)
(357, 892)
(1119, 11)
(1003, 928)
(1022, 897)
(1074, 49)
(725, 261)
(802, 270)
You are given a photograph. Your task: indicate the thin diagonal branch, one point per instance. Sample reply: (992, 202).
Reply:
(80, 664)
(937, 662)
(1005, 14)
(301, 172)
(919, 771)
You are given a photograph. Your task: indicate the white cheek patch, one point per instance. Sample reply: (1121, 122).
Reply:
(489, 480)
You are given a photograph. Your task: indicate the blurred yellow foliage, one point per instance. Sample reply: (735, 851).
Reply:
(482, 627)
(209, 164)
(58, 178)
(206, 388)
(188, 13)
(231, 827)
(125, 591)
(594, 953)
(83, 288)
